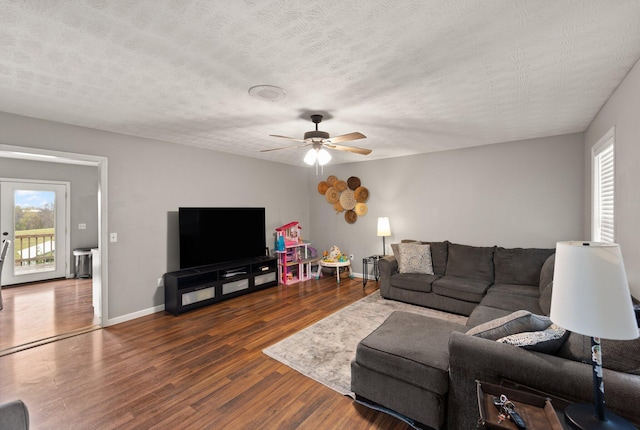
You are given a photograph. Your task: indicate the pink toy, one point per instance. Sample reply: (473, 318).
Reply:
(291, 233)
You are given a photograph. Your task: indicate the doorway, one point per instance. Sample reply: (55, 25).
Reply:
(100, 272)
(33, 215)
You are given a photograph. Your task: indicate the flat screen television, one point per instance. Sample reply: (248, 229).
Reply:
(219, 235)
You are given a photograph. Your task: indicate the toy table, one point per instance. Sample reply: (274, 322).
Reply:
(337, 265)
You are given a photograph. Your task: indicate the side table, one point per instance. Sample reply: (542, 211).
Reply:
(372, 259)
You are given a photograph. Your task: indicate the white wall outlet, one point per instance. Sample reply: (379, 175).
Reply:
(82, 226)
(113, 237)
(351, 257)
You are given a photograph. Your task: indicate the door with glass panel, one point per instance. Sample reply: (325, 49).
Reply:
(33, 217)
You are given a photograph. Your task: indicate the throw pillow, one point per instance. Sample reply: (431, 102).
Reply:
(414, 258)
(395, 246)
(548, 341)
(517, 322)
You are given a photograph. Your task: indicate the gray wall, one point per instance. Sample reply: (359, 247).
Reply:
(84, 194)
(148, 181)
(515, 194)
(622, 110)
(527, 194)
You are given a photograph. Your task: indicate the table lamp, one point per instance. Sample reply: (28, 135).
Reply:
(591, 297)
(383, 230)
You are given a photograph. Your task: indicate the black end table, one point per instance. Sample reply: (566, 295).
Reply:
(372, 259)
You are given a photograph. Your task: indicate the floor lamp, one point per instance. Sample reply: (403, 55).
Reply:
(383, 230)
(591, 297)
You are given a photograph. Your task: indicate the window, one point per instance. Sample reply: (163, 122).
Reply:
(602, 225)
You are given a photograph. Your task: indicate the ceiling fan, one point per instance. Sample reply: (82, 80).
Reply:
(319, 140)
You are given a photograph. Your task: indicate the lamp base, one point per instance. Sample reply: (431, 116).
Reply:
(582, 416)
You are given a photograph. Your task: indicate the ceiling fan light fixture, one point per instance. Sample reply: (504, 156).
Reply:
(323, 157)
(311, 156)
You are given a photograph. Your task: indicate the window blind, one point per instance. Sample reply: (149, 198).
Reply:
(604, 183)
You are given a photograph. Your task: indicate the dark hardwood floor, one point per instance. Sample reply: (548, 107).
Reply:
(201, 370)
(37, 311)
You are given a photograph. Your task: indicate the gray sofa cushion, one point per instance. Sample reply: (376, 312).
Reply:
(619, 355)
(521, 290)
(482, 314)
(439, 251)
(512, 302)
(546, 273)
(413, 281)
(519, 265)
(412, 348)
(466, 261)
(545, 299)
(467, 289)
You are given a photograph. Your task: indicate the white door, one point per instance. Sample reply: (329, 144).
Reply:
(33, 217)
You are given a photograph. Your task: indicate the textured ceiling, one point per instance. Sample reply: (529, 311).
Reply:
(414, 76)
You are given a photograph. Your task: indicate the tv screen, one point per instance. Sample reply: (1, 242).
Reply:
(217, 235)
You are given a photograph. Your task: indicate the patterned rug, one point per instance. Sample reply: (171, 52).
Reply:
(324, 350)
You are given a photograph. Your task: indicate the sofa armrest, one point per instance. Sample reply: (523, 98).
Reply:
(14, 415)
(387, 266)
(472, 358)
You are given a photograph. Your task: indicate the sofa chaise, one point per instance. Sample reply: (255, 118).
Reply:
(426, 369)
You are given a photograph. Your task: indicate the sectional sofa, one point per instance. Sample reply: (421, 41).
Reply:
(426, 368)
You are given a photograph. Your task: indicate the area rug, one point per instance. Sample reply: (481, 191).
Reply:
(324, 350)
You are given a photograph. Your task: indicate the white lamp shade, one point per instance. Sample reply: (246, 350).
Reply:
(590, 292)
(310, 158)
(383, 226)
(323, 157)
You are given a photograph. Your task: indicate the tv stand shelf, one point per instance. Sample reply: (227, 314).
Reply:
(189, 289)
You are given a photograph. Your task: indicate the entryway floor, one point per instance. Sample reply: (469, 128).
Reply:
(37, 312)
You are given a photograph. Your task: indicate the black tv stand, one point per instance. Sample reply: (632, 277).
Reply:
(189, 289)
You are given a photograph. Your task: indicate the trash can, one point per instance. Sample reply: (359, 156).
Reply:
(83, 262)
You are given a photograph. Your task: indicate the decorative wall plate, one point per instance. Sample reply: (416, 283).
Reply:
(350, 217)
(332, 195)
(323, 187)
(348, 200)
(353, 182)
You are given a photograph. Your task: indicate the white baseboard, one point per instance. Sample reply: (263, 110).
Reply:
(133, 315)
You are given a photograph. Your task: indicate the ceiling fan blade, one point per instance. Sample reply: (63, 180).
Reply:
(285, 147)
(287, 137)
(345, 137)
(353, 149)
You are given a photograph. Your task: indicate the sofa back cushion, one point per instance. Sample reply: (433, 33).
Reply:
(519, 266)
(618, 355)
(439, 251)
(545, 299)
(470, 262)
(546, 273)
